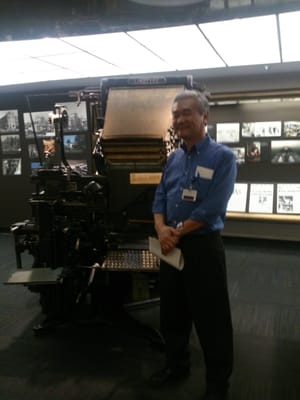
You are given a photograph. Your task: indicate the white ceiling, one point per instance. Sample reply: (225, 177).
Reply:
(264, 40)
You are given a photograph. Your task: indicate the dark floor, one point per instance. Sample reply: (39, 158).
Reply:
(102, 362)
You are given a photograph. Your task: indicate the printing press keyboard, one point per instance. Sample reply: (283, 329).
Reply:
(131, 260)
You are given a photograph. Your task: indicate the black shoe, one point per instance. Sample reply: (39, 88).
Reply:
(166, 377)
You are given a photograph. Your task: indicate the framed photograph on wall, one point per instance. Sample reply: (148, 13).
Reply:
(261, 129)
(291, 129)
(41, 122)
(9, 121)
(253, 151)
(228, 132)
(257, 151)
(32, 150)
(77, 116)
(74, 143)
(285, 151)
(11, 166)
(238, 199)
(261, 198)
(239, 153)
(10, 144)
(288, 198)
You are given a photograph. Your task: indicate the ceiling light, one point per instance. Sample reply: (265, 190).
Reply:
(246, 41)
(121, 50)
(83, 63)
(290, 31)
(183, 47)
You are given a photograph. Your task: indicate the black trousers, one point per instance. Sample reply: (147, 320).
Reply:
(198, 294)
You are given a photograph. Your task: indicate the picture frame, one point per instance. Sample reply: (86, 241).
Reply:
(261, 198)
(32, 150)
(257, 151)
(9, 121)
(288, 198)
(11, 166)
(75, 143)
(291, 129)
(261, 129)
(77, 116)
(228, 132)
(238, 199)
(285, 151)
(10, 143)
(41, 122)
(239, 153)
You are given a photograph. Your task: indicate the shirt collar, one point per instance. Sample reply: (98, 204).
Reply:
(199, 145)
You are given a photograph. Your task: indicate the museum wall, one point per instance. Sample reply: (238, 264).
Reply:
(259, 107)
(19, 152)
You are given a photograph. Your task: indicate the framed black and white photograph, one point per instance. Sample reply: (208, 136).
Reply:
(10, 144)
(261, 129)
(238, 199)
(11, 166)
(257, 151)
(74, 143)
(9, 121)
(285, 151)
(77, 116)
(239, 153)
(41, 122)
(288, 198)
(228, 132)
(33, 150)
(261, 198)
(291, 129)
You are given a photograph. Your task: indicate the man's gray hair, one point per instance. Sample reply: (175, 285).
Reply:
(200, 97)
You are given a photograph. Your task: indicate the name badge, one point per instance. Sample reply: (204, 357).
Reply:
(189, 195)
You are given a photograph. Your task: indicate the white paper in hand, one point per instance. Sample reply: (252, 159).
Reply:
(174, 257)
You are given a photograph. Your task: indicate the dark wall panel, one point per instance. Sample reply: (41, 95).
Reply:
(17, 189)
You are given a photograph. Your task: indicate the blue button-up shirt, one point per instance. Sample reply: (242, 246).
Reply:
(209, 168)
